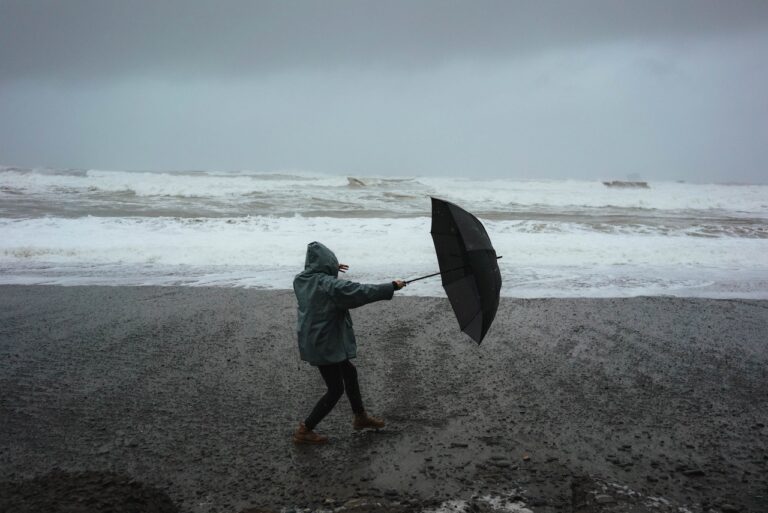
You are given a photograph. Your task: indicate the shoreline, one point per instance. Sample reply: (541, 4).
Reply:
(196, 391)
(435, 290)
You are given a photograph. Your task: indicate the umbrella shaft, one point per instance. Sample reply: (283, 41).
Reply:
(441, 272)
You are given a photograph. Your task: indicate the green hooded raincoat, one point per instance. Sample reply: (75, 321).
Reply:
(324, 324)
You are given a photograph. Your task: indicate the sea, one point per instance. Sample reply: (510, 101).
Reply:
(557, 238)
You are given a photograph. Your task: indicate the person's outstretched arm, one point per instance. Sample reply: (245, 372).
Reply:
(348, 294)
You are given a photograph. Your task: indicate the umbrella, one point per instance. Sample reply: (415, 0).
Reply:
(468, 267)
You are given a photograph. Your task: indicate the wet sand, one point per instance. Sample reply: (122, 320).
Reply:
(643, 404)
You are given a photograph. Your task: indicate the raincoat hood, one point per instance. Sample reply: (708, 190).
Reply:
(320, 259)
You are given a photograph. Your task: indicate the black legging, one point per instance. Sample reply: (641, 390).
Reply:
(339, 377)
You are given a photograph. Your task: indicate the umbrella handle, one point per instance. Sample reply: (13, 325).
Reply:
(441, 272)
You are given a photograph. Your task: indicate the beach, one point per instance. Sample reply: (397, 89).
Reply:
(588, 404)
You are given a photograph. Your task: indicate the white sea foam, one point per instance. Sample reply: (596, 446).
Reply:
(189, 184)
(494, 503)
(263, 251)
(295, 190)
(751, 199)
(558, 238)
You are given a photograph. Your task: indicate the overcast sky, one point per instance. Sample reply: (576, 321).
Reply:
(665, 89)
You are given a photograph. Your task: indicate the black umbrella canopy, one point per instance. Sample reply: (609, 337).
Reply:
(468, 267)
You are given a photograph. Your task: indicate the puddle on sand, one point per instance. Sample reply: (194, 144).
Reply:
(433, 463)
(454, 460)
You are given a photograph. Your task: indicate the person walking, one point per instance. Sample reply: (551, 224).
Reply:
(326, 338)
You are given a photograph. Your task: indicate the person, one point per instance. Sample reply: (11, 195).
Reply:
(326, 338)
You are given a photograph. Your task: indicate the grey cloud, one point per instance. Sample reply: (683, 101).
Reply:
(83, 39)
(561, 89)
(591, 114)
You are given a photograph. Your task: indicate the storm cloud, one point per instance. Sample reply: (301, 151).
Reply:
(559, 89)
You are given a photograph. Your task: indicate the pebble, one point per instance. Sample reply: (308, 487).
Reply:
(604, 499)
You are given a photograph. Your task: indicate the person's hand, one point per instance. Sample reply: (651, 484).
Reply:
(399, 284)
(343, 268)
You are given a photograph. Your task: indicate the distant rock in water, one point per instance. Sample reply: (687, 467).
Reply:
(627, 185)
(355, 182)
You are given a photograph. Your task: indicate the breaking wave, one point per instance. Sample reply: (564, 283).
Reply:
(291, 190)
(558, 238)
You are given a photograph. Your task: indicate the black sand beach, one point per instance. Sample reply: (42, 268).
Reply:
(643, 404)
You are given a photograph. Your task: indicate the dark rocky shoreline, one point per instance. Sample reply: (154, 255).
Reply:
(583, 405)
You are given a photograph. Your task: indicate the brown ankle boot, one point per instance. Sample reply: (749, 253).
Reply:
(363, 421)
(302, 435)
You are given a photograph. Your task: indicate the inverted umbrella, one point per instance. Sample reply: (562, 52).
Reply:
(468, 267)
